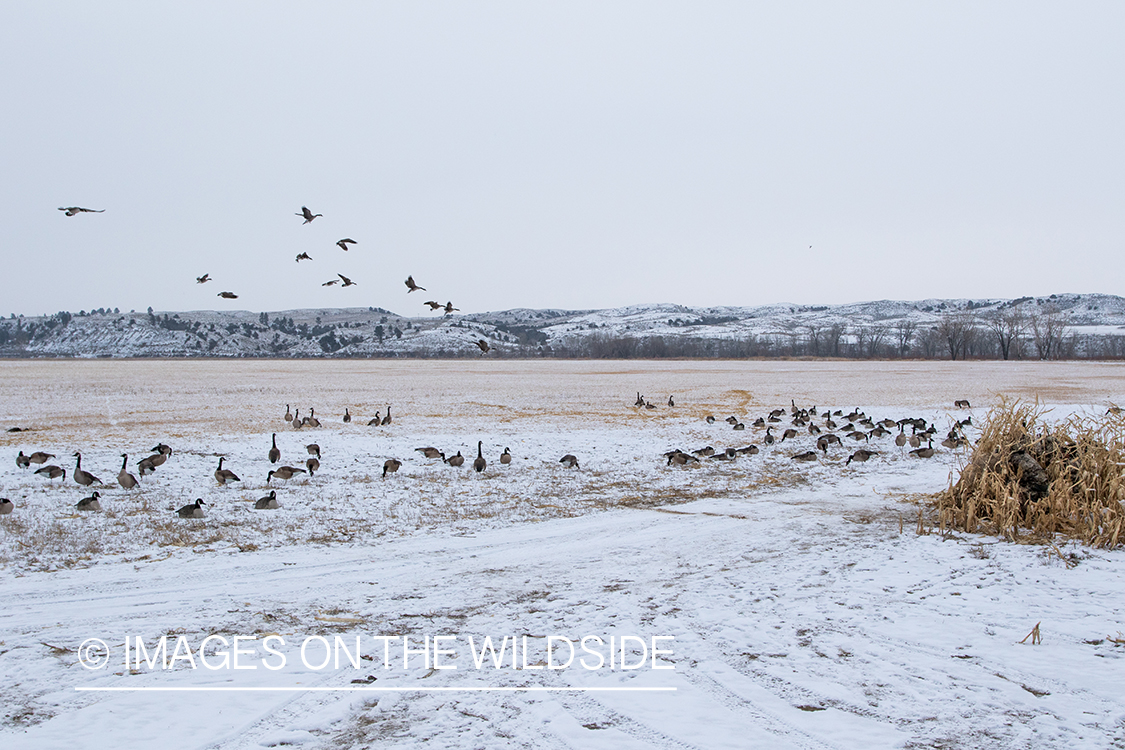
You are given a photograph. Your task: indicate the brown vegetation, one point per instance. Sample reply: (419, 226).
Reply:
(1026, 475)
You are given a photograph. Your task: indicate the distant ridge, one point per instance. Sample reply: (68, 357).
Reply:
(1057, 326)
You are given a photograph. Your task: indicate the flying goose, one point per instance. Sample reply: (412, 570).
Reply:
(192, 510)
(433, 305)
(274, 454)
(390, 466)
(411, 286)
(227, 295)
(124, 478)
(345, 242)
(90, 503)
(479, 464)
(52, 472)
(347, 282)
(269, 502)
(570, 460)
(223, 476)
(484, 347)
(505, 457)
(307, 214)
(450, 309)
(72, 210)
(284, 472)
(203, 279)
(303, 256)
(457, 460)
(6, 506)
(333, 282)
(82, 476)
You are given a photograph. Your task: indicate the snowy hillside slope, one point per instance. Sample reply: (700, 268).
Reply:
(376, 332)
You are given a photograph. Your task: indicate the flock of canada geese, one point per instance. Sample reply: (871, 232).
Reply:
(858, 427)
(343, 280)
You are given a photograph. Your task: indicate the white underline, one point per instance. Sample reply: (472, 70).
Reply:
(363, 688)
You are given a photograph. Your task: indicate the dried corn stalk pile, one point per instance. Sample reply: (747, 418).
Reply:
(1028, 475)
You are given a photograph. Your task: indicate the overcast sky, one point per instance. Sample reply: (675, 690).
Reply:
(571, 154)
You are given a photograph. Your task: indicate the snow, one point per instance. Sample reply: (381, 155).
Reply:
(805, 609)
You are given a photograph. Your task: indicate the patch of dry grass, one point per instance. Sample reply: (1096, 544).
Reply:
(1027, 476)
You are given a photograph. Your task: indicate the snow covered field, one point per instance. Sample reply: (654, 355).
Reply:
(805, 609)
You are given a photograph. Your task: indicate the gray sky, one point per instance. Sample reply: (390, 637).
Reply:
(577, 155)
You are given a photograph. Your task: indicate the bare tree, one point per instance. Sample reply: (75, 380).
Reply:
(812, 339)
(955, 330)
(832, 336)
(1007, 326)
(904, 331)
(1048, 328)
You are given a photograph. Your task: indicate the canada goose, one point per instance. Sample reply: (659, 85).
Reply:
(429, 451)
(347, 416)
(331, 282)
(814, 430)
(484, 347)
(789, 433)
(900, 438)
(307, 214)
(822, 445)
(926, 452)
(759, 422)
(124, 478)
(570, 461)
(479, 464)
(387, 419)
(345, 242)
(376, 421)
(830, 438)
(39, 457)
(505, 457)
(806, 456)
(284, 472)
(450, 309)
(227, 295)
(390, 466)
(709, 419)
(192, 510)
(732, 420)
(433, 305)
(23, 461)
(769, 439)
(52, 472)
(829, 424)
(297, 420)
(203, 279)
(313, 465)
(952, 442)
(313, 449)
(288, 414)
(962, 404)
(411, 286)
(274, 454)
(915, 441)
(704, 451)
(680, 458)
(269, 502)
(73, 210)
(671, 402)
(311, 419)
(889, 424)
(6, 506)
(347, 282)
(457, 460)
(773, 418)
(1111, 410)
(857, 435)
(739, 426)
(148, 464)
(861, 455)
(640, 400)
(222, 476)
(966, 422)
(163, 450)
(649, 406)
(878, 432)
(303, 256)
(82, 476)
(90, 503)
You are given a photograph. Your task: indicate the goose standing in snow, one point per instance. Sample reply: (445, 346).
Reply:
(82, 476)
(479, 463)
(223, 476)
(274, 454)
(124, 478)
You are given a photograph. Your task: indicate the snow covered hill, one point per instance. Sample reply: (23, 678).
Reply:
(1086, 325)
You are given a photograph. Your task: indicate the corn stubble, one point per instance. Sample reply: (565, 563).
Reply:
(1031, 478)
